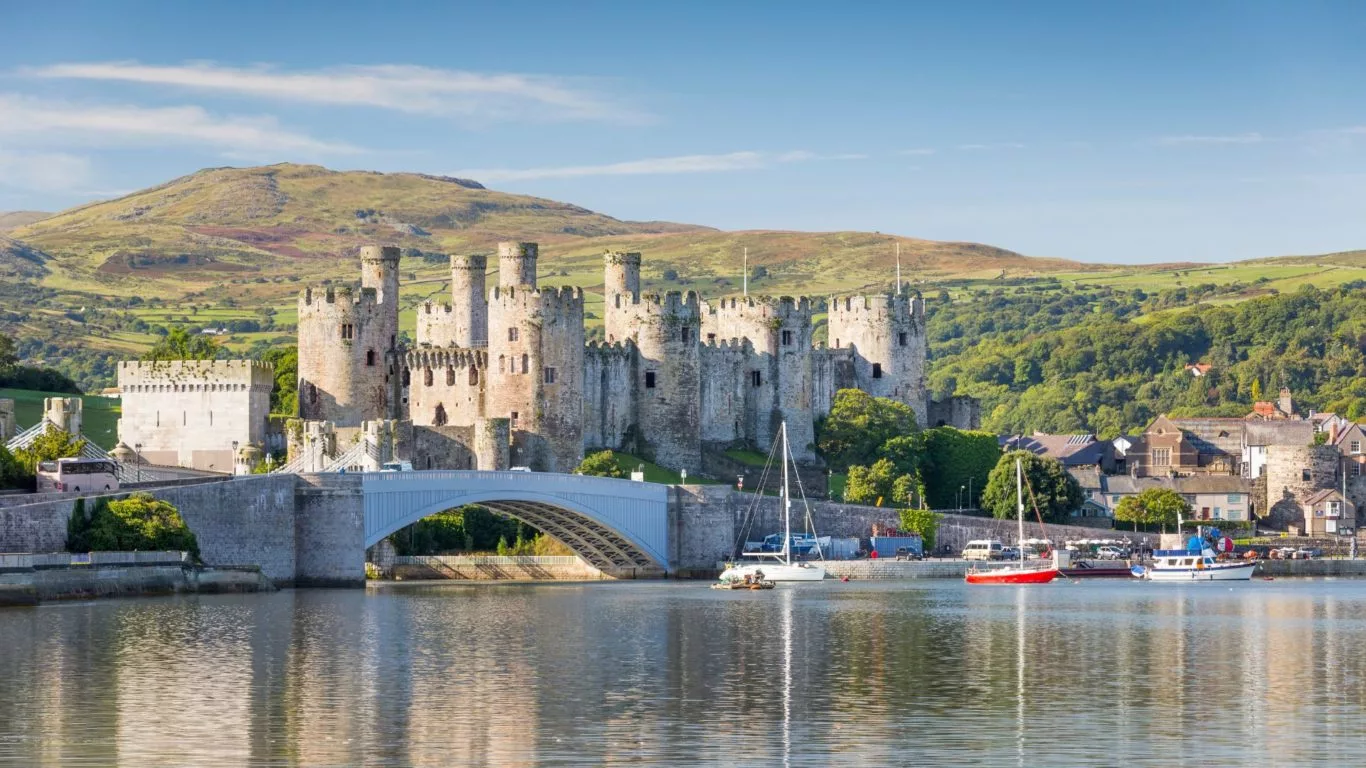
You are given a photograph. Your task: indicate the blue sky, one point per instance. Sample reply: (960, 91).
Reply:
(1157, 131)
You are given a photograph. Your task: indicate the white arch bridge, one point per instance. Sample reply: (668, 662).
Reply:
(613, 524)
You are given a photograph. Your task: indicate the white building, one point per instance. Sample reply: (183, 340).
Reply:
(192, 413)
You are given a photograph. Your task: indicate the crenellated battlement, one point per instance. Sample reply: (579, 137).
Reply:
(337, 294)
(195, 375)
(430, 307)
(787, 310)
(671, 302)
(877, 306)
(621, 258)
(476, 262)
(602, 350)
(552, 300)
(449, 357)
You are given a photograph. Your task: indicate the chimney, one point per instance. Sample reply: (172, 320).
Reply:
(1333, 434)
(1286, 405)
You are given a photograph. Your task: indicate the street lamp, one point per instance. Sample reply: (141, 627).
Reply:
(959, 496)
(234, 458)
(137, 449)
(969, 493)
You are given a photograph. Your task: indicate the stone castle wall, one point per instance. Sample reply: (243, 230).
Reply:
(887, 336)
(446, 386)
(189, 412)
(609, 396)
(1293, 473)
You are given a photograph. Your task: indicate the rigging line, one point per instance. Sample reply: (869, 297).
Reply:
(810, 524)
(1043, 530)
(752, 509)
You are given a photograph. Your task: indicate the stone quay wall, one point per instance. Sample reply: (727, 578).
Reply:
(476, 568)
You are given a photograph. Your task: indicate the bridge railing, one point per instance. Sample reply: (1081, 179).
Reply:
(524, 560)
(492, 474)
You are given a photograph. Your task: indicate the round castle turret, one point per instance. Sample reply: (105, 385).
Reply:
(517, 264)
(621, 273)
(345, 337)
(886, 333)
(464, 321)
(535, 370)
(665, 331)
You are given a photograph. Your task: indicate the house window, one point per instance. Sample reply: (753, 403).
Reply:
(512, 334)
(1162, 457)
(901, 339)
(1235, 498)
(787, 338)
(685, 334)
(1356, 447)
(450, 376)
(755, 378)
(1334, 508)
(877, 370)
(549, 376)
(370, 358)
(649, 379)
(1218, 513)
(427, 376)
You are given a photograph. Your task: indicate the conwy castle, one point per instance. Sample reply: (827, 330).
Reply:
(502, 376)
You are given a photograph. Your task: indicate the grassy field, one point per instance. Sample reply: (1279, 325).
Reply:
(101, 414)
(655, 473)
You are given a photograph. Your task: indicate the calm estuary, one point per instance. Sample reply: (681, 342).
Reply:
(937, 673)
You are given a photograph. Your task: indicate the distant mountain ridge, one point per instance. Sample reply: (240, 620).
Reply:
(14, 219)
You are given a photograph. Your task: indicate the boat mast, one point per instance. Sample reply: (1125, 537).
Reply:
(1019, 502)
(786, 505)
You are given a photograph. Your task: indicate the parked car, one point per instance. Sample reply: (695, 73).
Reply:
(1110, 553)
(982, 549)
(1010, 553)
(907, 553)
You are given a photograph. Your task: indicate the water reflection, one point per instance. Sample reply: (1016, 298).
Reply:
(667, 674)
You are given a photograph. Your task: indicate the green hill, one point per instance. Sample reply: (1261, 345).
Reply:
(15, 219)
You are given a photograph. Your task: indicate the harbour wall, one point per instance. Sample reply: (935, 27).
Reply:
(82, 582)
(477, 568)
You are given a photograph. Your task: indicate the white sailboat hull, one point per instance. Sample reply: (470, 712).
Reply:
(776, 571)
(1218, 572)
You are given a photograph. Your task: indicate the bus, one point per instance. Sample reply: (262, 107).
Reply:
(78, 475)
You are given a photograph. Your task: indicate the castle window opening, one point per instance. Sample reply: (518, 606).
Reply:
(787, 338)
(393, 341)
(837, 342)
(685, 334)
(474, 375)
(649, 379)
(427, 376)
(512, 334)
(407, 378)
(370, 358)
(348, 331)
(158, 418)
(549, 376)
(526, 363)
(211, 418)
(512, 419)
(439, 418)
(185, 420)
(877, 370)
(617, 300)
(755, 378)
(1304, 475)
(501, 363)
(901, 339)
(450, 377)
(711, 337)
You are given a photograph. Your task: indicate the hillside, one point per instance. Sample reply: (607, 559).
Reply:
(15, 219)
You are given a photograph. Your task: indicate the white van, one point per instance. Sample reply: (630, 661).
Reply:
(981, 549)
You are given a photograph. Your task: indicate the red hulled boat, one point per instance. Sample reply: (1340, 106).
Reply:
(1042, 573)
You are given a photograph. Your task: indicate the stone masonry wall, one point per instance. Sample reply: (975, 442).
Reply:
(1293, 473)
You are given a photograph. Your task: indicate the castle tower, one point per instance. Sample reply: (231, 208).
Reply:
(517, 264)
(886, 335)
(665, 330)
(491, 440)
(346, 338)
(535, 372)
(470, 300)
(621, 274)
(379, 270)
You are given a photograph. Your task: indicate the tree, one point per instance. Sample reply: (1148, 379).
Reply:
(180, 344)
(858, 425)
(51, 445)
(870, 485)
(284, 399)
(600, 464)
(906, 452)
(671, 275)
(1256, 390)
(1152, 506)
(13, 476)
(139, 522)
(922, 521)
(9, 358)
(957, 460)
(78, 529)
(1047, 484)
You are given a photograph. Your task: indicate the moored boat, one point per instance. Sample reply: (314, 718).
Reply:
(1194, 565)
(1041, 572)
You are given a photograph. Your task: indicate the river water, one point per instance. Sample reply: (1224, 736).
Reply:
(925, 673)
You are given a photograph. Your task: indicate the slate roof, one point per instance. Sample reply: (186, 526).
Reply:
(1278, 432)
(1213, 435)
(1211, 484)
(1071, 450)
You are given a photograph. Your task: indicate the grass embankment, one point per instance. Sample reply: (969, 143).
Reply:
(655, 473)
(100, 414)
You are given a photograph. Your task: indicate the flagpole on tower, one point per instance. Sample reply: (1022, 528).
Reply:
(746, 278)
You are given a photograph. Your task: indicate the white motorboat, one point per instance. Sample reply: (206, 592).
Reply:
(779, 565)
(1194, 565)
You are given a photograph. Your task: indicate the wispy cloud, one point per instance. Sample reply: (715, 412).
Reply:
(998, 145)
(44, 171)
(922, 151)
(33, 119)
(1237, 138)
(402, 88)
(734, 161)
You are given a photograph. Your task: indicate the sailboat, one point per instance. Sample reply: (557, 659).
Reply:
(778, 566)
(1042, 572)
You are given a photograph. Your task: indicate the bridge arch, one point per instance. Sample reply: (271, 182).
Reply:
(611, 523)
